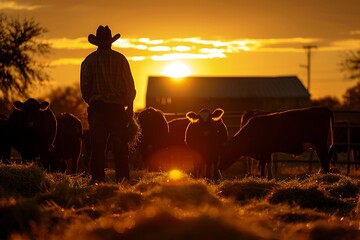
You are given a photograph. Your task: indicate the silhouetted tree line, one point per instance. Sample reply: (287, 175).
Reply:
(67, 99)
(350, 100)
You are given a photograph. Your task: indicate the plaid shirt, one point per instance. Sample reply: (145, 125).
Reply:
(105, 75)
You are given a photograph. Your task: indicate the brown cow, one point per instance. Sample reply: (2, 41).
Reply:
(292, 131)
(245, 117)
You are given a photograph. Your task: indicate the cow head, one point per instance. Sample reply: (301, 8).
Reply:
(205, 116)
(31, 105)
(30, 109)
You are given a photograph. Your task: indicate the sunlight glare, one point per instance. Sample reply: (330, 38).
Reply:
(175, 174)
(177, 70)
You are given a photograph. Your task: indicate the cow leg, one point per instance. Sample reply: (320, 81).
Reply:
(216, 169)
(266, 162)
(269, 168)
(262, 167)
(208, 170)
(324, 159)
(73, 164)
(6, 158)
(247, 165)
(356, 157)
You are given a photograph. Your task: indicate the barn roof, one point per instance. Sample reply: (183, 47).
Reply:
(227, 87)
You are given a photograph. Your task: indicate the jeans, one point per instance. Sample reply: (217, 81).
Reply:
(108, 121)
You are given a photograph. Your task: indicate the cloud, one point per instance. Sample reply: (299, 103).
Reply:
(178, 56)
(12, 5)
(355, 32)
(196, 48)
(67, 43)
(67, 61)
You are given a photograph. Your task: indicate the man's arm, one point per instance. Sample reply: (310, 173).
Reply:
(85, 83)
(130, 87)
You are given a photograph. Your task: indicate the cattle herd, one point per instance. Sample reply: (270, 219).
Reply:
(198, 143)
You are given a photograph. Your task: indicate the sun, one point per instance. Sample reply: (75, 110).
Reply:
(177, 70)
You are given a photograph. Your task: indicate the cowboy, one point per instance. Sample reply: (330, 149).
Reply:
(107, 86)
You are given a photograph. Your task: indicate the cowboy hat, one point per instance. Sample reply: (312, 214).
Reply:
(103, 36)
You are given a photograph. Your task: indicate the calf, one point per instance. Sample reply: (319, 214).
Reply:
(154, 135)
(205, 134)
(67, 145)
(292, 132)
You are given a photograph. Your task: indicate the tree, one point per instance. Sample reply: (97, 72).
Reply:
(20, 68)
(328, 101)
(68, 99)
(351, 98)
(351, 64)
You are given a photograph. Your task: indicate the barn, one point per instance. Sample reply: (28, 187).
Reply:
(233, 94)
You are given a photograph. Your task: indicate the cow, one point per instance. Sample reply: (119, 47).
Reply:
(67, 145)
(247, 115)
(205, 134)
(5, 145)
(154, 136)
(32, 126)
(292, 131)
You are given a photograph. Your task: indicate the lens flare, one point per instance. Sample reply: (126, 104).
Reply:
(175, 174)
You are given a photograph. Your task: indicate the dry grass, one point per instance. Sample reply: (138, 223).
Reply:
(36, 205)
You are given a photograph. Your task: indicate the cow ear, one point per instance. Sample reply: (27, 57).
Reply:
(44, 106)
(217, 114)
(193, 117)
(18, 106)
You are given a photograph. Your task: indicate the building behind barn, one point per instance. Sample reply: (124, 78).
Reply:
(233, 94)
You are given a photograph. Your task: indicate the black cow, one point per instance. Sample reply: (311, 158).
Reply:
(33, 128)
(154, 135)
(206, 134)
(292, 131)
(5, 145)
(67, 145)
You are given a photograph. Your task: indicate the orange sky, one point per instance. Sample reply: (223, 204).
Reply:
(211, 37)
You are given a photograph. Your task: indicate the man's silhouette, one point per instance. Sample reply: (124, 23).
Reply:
(108, 88)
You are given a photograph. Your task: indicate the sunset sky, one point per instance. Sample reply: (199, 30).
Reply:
(210, 37)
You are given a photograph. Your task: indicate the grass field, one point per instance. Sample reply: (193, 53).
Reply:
(168, 205)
